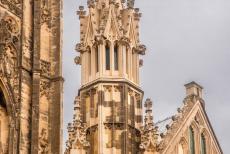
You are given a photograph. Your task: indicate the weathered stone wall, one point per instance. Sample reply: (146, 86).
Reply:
(31, 73)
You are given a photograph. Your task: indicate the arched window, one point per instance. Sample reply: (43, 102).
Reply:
(180, 149)
(192, 140)
(89, 61)
(107, 57)
(4, 125)
(96, 58)
(116, 57)
(203, 144)
(127, 61)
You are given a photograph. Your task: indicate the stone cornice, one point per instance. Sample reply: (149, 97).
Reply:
(117, 81)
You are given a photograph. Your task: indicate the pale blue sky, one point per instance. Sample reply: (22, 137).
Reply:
(187, 40)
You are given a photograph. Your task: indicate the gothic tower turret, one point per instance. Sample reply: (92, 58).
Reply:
(110, 96)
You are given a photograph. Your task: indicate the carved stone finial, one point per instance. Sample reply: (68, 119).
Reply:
(149, 134)
(141, 62)
(137, 14)
(148, 111)
(77, 129)
(130, 3)
(81, 12)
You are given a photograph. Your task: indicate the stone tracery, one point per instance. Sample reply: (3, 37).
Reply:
(8, 52)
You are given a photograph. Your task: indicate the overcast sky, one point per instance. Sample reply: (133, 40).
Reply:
(187, 40)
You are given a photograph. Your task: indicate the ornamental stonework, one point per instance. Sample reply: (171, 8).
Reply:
(33, 119)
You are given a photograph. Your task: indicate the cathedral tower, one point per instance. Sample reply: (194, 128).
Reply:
(108, 109)
(30, 76)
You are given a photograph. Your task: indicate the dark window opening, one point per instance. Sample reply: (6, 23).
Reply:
(107, 57)
(116, 57)
(192, 140)
(127, 61)
(89, 62)
(96, 59)
(203, 144)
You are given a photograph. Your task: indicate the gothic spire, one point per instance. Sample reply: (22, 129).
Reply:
(149, 135)
(77, 129)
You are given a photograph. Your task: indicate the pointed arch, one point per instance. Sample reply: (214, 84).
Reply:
(183, 146)
(7, 118)
(112, 25)
(89, 31)
(205, 141)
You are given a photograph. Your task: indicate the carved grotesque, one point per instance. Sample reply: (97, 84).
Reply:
(80, 47)
(77, 60)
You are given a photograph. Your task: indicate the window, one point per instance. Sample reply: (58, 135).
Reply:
(127, 61)
(203, 144)
(180, 149)
(192, 140)
(116, 57)
(107, 57)
(96, 59)
(89, 62)
(4, 124)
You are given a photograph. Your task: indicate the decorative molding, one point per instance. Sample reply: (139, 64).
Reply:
(45, 13)
(43, 142)
(177, 120)
(45, 68)
(149, 133)
(14, 6)
(81, 12)
(77, 130)
(45, 88)
(9, 32)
